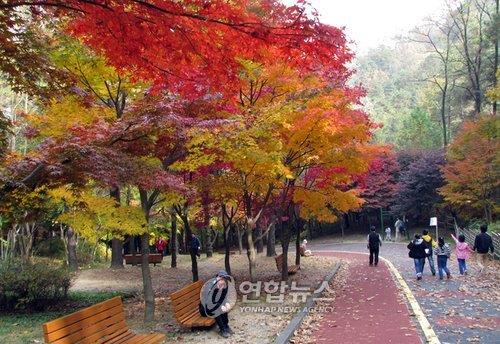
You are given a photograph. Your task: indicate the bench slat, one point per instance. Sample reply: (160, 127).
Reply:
(105, 327)
(101, 323)
(119, 338)
(187, 289)
(72, 318)
(68, 330)
(155, 338)
(102, 331)
(185, 306)
(193, 294)
(192, 314)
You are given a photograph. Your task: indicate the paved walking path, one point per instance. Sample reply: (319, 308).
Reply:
(461, 310)
(369, 309)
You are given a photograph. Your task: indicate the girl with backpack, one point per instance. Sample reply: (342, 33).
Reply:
(443, 252)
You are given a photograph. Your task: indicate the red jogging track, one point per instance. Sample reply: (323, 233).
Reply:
(369, 309)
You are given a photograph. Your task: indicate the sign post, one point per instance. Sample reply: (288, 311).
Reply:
(434, 222)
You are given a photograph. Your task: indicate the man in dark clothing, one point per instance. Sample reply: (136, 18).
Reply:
(483, 244)
(195, 245)
(374, 243)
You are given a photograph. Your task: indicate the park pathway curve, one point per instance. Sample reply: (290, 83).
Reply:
(369, 309)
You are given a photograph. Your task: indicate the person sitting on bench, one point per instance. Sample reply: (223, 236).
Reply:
(304, 252)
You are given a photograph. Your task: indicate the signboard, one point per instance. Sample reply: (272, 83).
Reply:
(434, 221)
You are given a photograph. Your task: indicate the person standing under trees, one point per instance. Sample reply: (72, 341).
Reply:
(374, 243)
(483, 244)
(430, 245)
(417, 252)
(195, 245)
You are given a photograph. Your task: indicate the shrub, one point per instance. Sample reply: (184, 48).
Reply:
(52, 248)
(31, 286)
(88, 253)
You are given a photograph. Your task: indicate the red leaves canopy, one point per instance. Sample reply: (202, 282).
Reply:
(192, 47)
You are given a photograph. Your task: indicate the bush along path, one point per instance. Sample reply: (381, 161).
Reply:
(460, 310)
(368, 309)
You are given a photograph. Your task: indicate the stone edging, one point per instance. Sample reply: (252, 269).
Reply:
(288, 332)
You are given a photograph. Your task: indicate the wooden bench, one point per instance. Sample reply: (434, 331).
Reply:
(154, 258)
(103, 322)
(185, 303)
(292, 269)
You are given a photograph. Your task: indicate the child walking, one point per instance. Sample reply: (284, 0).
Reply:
(443, 253)
(463, 253)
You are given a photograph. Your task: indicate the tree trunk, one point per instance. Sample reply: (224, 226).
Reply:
(443, 114)
(251, 254)
(258, 243)
(116, 254)
(240, 239)
(173, 241)
(271, 242)
(147, 284)
(71, 249)
(227, 251)
(209, 245)
(116, 244)
(194, 258)
(297, 242)
(285, 241)
(149, 296)
(495, 59)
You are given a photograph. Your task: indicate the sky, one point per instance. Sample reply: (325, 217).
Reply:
(373, 22)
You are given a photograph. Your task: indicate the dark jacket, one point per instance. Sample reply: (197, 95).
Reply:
(374, 241)
(195, 244)
(417, 249)
(483, 243)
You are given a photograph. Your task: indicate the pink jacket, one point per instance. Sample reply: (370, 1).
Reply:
(463, 249)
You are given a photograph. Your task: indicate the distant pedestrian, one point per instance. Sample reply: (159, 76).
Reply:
(160, 245)
(463, 251)
(443, 253)
(374, 243)
(483, 244)
(388, 234)
(195, 245)
(417, 252)
(399, 226)
(430, 246)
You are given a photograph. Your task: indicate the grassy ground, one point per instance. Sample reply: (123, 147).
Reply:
(22, 328)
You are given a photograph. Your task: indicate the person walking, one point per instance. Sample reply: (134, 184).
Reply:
(398, 225)
(195, 245)
(443, 253)
(483, 244)
(417, 252)
(463, 251)
(430, 245)
(374, 243)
